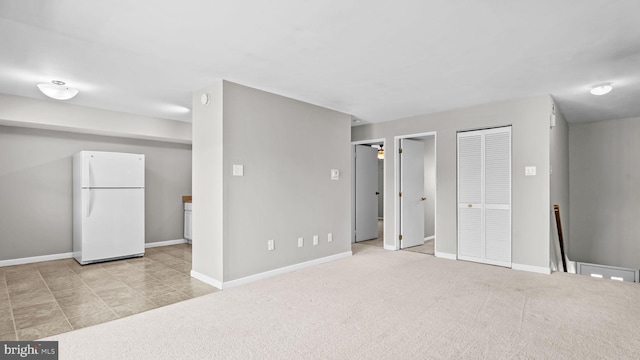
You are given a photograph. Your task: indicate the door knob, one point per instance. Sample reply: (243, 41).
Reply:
(469, 205)
(377, 193)
(424, 198)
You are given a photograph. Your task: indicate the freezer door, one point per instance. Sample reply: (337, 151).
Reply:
(112, 170)
(112, 223)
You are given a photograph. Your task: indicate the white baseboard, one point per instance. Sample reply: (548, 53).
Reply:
(283, 270)
(35, 259)
(530, 268)
(429, 238)
(446, 255)
(69, 255)
(390, 247)
(206, 279)
(165, 243)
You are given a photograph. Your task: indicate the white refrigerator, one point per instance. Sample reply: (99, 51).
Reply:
(108, 206)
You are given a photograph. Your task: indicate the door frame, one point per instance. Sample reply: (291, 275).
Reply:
(396, 177)
(353, 184)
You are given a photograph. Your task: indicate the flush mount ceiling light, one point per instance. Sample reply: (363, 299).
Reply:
(601, 89)
(57, 90)
(380, 153)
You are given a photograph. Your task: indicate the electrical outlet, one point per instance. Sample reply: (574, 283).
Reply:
(270, 245)
(329, 237)
(315, 240)
(300, 242)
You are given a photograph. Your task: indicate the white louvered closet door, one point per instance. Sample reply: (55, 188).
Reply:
(484, 196)
(470, 196)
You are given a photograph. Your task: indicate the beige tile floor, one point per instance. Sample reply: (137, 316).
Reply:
(48, 298)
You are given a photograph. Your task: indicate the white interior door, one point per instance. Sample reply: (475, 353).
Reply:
(412, 188)
(484, 196)
(470, 178)
(497, 198)
(366, 183)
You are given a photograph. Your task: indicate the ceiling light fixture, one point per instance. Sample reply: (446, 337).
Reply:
(601, 89)
(380, 153)
(58, 90)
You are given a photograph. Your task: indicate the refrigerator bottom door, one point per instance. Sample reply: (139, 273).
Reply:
(112, 224)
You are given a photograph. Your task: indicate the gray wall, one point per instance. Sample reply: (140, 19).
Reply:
(530, 203)
(35, 187)
(605, 201)
(287, 148)
(559, 152)
(429, 185)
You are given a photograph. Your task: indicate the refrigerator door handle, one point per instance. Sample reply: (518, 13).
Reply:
(89, 173)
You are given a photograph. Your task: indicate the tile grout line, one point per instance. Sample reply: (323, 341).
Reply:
(98, 296)
(54, 298)
(90, 289)
(184, 261)
(163, 280)
(15, 329)
(138, 292)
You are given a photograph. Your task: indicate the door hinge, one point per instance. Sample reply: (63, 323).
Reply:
(400, 150)
(400, 237)
(400, 194)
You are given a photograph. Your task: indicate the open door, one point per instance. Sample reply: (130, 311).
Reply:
(412, 190)
(366, 183)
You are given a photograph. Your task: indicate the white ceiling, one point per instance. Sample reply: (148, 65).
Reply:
(377, 60)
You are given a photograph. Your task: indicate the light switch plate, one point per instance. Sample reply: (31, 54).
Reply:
(300, 242)
(529, 171)
(335, 174)
(329, 237)
(315, 240)
(238, 170)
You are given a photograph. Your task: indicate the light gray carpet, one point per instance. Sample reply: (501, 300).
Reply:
(382, 304)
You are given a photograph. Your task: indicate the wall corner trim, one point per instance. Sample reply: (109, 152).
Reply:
(206, 279)
(390, 247)
(531, 268)
(282, 270)
(445, 255)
